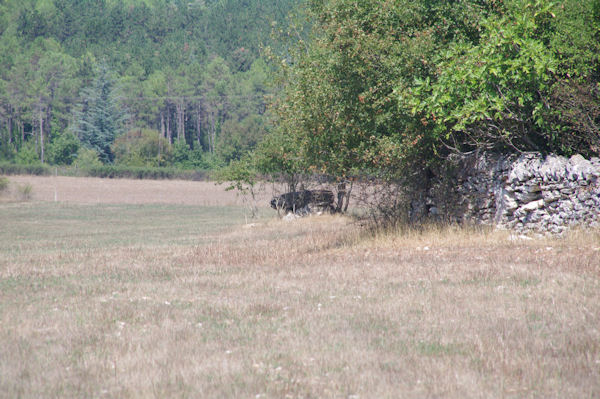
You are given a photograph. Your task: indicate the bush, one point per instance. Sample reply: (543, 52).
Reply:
(129, 172)
(185, 158)
(528, 84)
(63, 150)
(88, 164)
(142, 148)
(16, 169)
(27, 155)
(25, 191)
(3, 184)
(7, 151)
(87, 158)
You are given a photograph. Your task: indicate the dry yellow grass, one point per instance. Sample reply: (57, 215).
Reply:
(310, 308)
(128, 191)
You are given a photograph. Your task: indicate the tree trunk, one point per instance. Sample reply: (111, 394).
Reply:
(41, 136)
(10, 124)
(341, 194)
(33, 134)
(48, 125)
(212, 133)
(180, 111)
(169, 136)
(198, 127)
(162, 123)
(159, 145)
(348, 196)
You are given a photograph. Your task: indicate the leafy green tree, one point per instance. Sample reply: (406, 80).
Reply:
(241, 174)
(183, 88)
(87, 159)
(497, 93)
(246, 123)
(488, 94)
(385, 88)
(53, 85)
(141, 147)
(339, 104)
(186, 158)
(279, 156)
(155, 90)
(27, 155)
(63, 150)
(216, 83)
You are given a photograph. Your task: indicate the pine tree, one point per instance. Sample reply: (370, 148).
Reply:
(100, 118)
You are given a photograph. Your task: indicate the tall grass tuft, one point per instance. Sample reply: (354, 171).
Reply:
(25, 191)
(3, 184)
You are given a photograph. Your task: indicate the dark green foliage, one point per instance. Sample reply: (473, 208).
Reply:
(519, 87)
(63, 150)
(7, 151)
(100, 117)
(27, 155)
(239, 137)
(385, 88)
(18, 169)
(86, 159)
(113, 171)
(191, 70)
(142, 148)
(3, 184)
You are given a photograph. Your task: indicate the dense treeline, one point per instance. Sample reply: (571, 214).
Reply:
(378, 87)
(388, 87)
(133, 82)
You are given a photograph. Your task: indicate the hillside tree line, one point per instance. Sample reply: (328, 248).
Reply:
(134, 82)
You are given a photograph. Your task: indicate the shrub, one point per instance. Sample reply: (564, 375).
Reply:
(17, 169)
(27, 155)
(3, 184)
(7, 151)
(63, 150)
(528, 84)
(87, 158)
(141, 147)
(136, 172)
(25, 191)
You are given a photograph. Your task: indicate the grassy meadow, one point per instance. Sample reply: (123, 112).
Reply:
(123, 289)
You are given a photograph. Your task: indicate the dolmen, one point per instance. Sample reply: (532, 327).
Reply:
(304, 202)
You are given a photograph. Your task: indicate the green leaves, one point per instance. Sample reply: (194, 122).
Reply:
(491, 93)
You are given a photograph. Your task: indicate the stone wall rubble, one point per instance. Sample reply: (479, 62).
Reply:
(528, 193)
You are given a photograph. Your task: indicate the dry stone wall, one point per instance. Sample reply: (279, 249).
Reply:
(528, 193)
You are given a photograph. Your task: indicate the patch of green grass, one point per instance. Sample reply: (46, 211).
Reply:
(29, 229)
(434, 348)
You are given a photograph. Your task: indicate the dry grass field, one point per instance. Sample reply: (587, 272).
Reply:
(134, 298)
(81, 190)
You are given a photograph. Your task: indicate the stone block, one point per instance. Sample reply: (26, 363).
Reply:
(533, 205)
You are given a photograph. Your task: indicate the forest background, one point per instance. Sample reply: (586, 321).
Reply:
(135, 83)
(343, 88)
